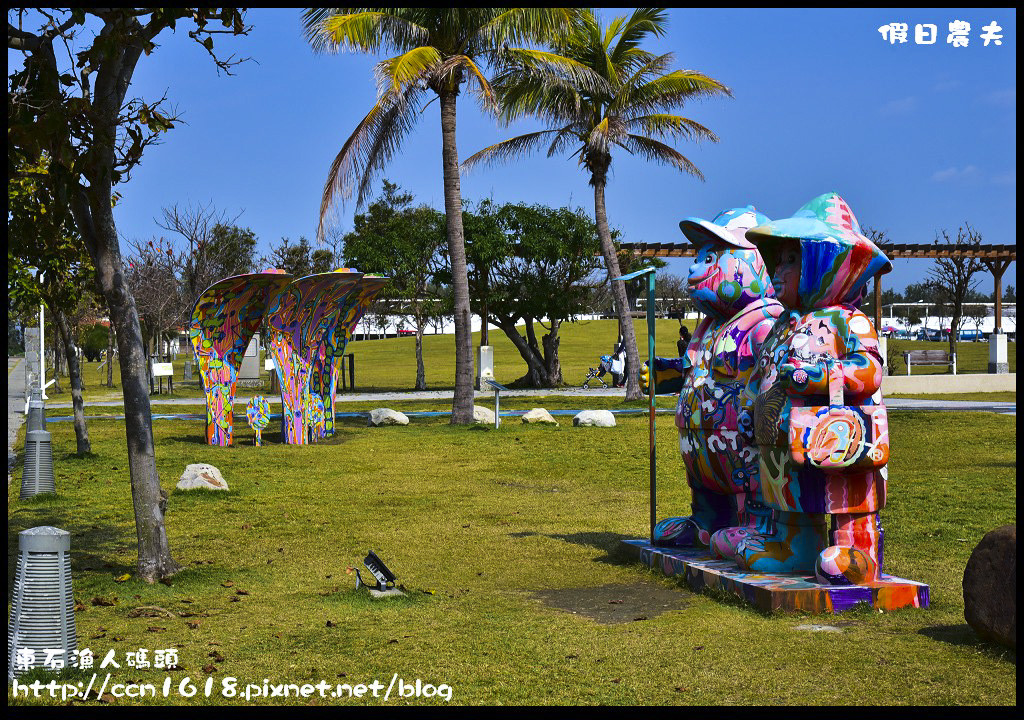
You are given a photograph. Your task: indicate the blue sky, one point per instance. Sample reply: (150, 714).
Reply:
(915, 137)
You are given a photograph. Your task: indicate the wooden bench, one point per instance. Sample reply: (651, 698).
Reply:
(930, 357)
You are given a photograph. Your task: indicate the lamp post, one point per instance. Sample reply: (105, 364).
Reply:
(650, 272)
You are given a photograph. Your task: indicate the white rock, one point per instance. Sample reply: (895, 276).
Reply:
(594, 418)
(819, 628)
(483, 415)
(539, 415)
(386, 416)
(201, 475)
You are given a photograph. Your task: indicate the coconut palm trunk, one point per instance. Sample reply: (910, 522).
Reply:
(462, 407)
(611, 260)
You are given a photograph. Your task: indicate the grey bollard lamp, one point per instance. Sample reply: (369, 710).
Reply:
(37, 476)
(43, 604)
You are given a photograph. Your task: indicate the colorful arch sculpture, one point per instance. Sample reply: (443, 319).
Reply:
(224, 319)
(326, 361)
(303, 321)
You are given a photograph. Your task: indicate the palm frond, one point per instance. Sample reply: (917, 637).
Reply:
(651, 149)
(643, 22)
(600, 138)
(563, 137)
(398, 122)
(375, 139)
(673, 126)
(361, 30)
(551, 99)
(519, 26)
(669, 91)
(396, 73)
(642, 73)
(488, 100)
(612, 31)
(506, 149)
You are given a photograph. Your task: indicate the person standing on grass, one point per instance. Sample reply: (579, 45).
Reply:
(684, 340)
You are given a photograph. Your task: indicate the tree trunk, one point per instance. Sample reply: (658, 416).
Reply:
(95, 221)
(537, 375)
(75, 379)
(421, 375)
(149, 364)
(110, 353)
(618, 292)
(56, 359)
(552, 364)
(462, 407)
(954, 330)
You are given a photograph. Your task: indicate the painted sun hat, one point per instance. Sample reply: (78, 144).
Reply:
(837, 259)
(729, 226)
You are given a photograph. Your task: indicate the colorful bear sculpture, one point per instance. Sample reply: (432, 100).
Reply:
(729, 283)
(820, 423)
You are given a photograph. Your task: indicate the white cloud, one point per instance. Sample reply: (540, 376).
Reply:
(952, 173)
(899, 107)
(1002, 98)
(1006, 178)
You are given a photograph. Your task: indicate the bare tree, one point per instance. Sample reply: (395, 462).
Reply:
(952, 278)
(671, 289)
(153, 276)
(214, 247)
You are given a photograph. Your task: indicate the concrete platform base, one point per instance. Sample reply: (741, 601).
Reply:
(776, 592)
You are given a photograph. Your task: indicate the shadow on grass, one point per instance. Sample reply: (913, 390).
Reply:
(91, 545)
(244, 439)
(963, 635)
(610, 542)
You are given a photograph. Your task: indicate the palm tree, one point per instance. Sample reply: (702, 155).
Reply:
(630, 110)
(438, 49)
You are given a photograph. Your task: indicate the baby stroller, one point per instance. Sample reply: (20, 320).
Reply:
(598, 373)
(610, 364)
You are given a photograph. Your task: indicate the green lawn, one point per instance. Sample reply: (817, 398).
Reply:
(390, 365)
(476, 523)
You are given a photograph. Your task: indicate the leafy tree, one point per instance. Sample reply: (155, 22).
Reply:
(952, 278)
(94, 341)
(77, 112)
(402, 242)
(47, 263)
(1009, 295)
(630, 109)
(15, 334)
(439, 49)
(538, 261)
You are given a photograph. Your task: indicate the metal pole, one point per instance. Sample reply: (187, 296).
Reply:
(42, 354)
(650, 392)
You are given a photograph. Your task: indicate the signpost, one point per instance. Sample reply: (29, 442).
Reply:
(650, 271)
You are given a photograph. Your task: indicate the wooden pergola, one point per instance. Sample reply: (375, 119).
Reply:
(995, 257)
